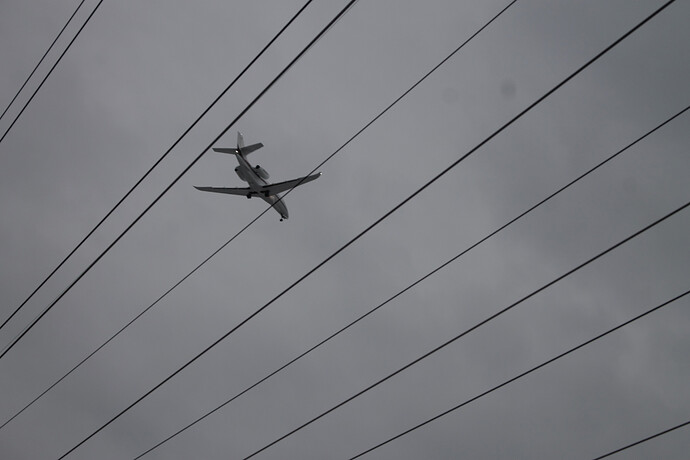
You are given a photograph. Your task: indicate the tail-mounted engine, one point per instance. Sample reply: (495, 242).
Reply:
(261, 172)
(240, 174)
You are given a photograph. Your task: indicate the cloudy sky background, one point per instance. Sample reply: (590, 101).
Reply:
(139, 75)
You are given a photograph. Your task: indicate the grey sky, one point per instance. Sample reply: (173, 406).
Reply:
(143, 71)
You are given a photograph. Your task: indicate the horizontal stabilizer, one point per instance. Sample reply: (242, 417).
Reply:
(250, 148)
(229, 150)
(245, 150)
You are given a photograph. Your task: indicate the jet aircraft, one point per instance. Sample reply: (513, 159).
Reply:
(256, 177)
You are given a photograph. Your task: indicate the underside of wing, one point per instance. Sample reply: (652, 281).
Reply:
(279, 187)
(245, 191)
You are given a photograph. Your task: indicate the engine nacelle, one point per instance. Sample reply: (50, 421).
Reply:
(240, 174)
(261, 172)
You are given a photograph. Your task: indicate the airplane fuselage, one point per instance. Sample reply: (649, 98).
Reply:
(251, 176)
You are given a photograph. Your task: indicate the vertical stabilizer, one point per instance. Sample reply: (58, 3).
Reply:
(240, 141)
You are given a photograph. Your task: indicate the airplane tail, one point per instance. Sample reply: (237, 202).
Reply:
(241, 148)
(240, 141)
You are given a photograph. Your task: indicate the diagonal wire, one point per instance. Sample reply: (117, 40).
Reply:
(198, 157)
(41, 60)
(494, 134)
(420, 280)
(69, 45)
(256, 218)
(467, 331)
(294, 17)
(386, 215)
(535, 368)
(649, 438)
(323, 31)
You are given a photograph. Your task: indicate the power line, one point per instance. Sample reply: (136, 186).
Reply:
(378, 221)
(467, 331)
(69, 45)
(153, 203)
(410, 286)
(649, 438)
(323, 31)
(179, 139)
(207, 259)
(41, 60)
(535, 368)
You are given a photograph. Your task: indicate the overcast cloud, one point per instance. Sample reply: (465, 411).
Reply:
(141, 72)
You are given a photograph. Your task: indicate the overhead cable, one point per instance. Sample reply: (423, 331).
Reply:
(146, 174)
(649, 438)
(467, 331)
(410, 286)
(207, 259)
(321, 33)
(41, 60)
(69, 45)
(378, 221)
(153, 203)
(524, 374)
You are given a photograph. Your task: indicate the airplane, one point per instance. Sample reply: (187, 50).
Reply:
(256, 177)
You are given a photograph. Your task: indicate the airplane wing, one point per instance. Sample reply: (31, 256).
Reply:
(280, 187)
(230, 191)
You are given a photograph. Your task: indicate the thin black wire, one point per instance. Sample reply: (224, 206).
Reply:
(268, 45)
(50, 71)
(535, 368)
(323, 31)
(414, 194)
(246, 109)
(399, 293)
(464, 333)
(41, 60)
(257, 217)
(649, 438)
